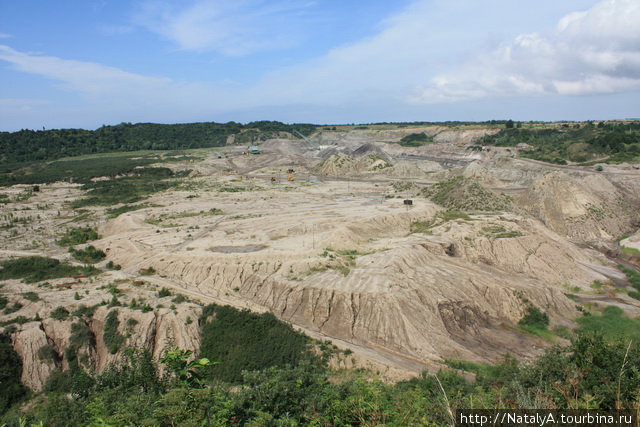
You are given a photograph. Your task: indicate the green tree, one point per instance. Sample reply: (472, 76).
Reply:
(187, 373)
(11, 389)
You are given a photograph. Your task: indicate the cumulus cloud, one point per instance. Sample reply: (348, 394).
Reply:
(230, 27)
(591, 52)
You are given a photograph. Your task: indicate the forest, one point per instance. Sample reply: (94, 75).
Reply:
(604, 142)
(29, 145)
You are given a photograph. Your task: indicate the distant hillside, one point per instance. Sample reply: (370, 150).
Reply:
(29, 145)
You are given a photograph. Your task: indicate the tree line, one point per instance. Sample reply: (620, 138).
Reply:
(36, 145)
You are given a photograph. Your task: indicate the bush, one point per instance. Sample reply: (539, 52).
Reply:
(84, 311)
(535, 318)
(81, 335)
(47, 353)
(147, 271)
(11, 389)
(78, 236)
(31, 296)
(60, 313)
(164, 292)
(89, 255)
(112, 339)
(415, 140)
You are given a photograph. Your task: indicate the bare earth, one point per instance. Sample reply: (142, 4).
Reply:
(332, 251)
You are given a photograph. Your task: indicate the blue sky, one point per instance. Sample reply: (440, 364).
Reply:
(86, 63)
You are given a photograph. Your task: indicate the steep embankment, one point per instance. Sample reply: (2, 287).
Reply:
(584, 209)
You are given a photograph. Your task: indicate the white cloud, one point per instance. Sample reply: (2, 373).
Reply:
(421, 56)
(85, 77)
(231, 27)
(5, 36)
(591, 52)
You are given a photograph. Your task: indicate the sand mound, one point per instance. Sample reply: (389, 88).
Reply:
(407, 170)
(582, 209)
(465, 194)
(343, 165)
(479, 173)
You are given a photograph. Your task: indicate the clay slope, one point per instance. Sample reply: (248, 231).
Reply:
(583, 209)
(456, 293)
(344, 165)
(155, 330)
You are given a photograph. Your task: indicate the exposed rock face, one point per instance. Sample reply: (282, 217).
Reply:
(632, 241)
(27, 342)
(584, 209)
(42, 345)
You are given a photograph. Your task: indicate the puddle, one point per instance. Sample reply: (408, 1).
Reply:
(237, 249)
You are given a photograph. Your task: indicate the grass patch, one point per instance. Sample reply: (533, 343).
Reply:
(31, 296)
(634, 294)
(631, 251)
(234, 189)
(499, 232)
(35, 269)
(341, 261)
(16, 306)
(440, 218)
(161, 219)
(421, 227)
(612, 323)
(114, 212)
(632, 275)
(130, 189)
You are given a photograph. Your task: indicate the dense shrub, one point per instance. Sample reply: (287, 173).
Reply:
(89, 255)
(241, 340)
(535, 318)
(11, 389)
(112, 338)
(78, 236)
(60, 313)
(35, 269)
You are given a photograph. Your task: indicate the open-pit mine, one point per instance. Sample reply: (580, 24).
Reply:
(405, 255)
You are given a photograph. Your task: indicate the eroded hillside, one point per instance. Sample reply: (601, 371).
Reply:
(318, 232)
